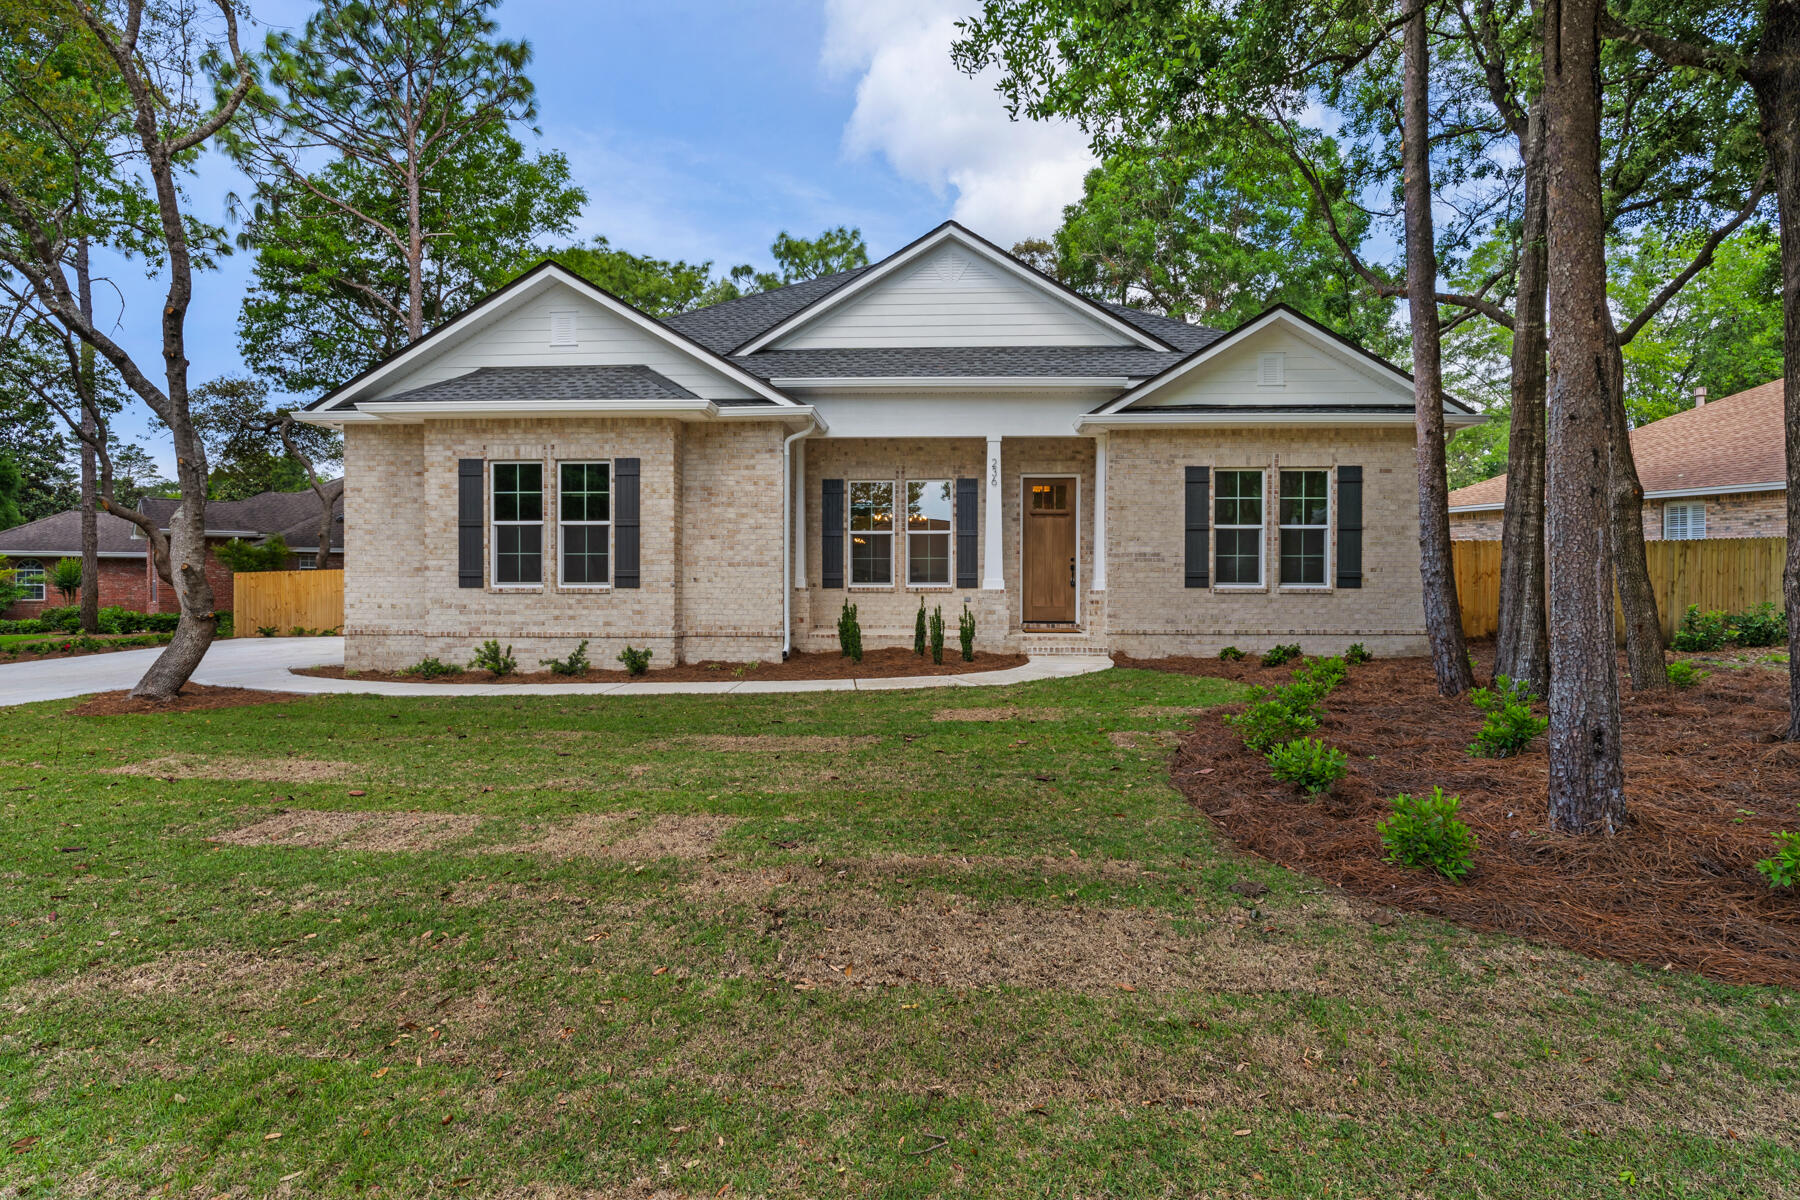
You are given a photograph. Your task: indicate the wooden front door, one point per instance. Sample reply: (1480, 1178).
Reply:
(1049, 554)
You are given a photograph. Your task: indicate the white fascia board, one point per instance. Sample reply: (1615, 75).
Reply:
(939, 383)
(1475, 508)
(75, 553)
(509, 298)
(335, 417)
(949, 232)
(1226, 418)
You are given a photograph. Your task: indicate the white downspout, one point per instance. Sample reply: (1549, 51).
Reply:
(787, 536)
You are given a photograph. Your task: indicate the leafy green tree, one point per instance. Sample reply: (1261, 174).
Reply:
(245, 442)
(65, 576)
(660, 287)
(832, 252)
(136, 475)
(242, 556)
(12, 489)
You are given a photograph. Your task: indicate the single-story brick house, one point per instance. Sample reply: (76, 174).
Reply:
(946, 425)
(127, 577)
(1717, 470)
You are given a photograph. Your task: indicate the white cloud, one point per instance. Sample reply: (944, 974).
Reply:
(938, 127)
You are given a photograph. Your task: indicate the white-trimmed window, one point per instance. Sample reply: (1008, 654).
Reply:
(518, 524)
(929, 504)
(584, 523)
(1238, 529)
(871, 534)
(306, 562)
(30, 577)
(1305, 514)
(1684, 521)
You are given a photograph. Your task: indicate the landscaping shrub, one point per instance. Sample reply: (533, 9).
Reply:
(1308, 764)
(65, 576)
(919, 630)
(63, 618)
(1783, 870)
(1701, 631)
(636, 661)
(85, 642)
(937, 634)
(491, 658)
(850, 633)
(28, 625)
(1682, 674)
(575, 664)
(1323, 673)
(1358, 654)
(1764, 625)
(1278, 715)
(244, 557)
(965, 629)
(1280, 654)
(1424, 831)
(1511, 725)
(1231, 654)
(267, 630)
(432, 667)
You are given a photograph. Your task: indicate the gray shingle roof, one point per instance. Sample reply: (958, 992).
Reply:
(60, 534)
(724, 327)
(294, 515)
(888, 361)
(508, 384)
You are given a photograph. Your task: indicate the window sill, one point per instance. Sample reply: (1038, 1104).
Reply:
(516, 587)
(930, 587)
(1240, 587)
(1314, 588)
(584, 587)
(870, 587)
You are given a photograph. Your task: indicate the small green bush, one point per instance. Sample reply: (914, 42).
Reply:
(63, 618)
(575, 664)
(919, 630)
(937, 634)
(850, 633)
(302, 631)
(1511, 725)
(1280, 654)
(1358, 654)
(1701, 631)
(430, 667)
(1783, 870)
(1308, 764)
(1764, 625)
(636, 661)
(1425, 832)
(245, 557)
(267, 630)
(1278, 715)
(1683, 674)
(493, 659)
(965, 629)
(65, 576)
(1323, 673)
(1231, 654)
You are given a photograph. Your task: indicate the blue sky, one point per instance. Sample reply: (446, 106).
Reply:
(701, 129)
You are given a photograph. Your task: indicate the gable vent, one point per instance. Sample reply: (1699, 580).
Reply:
(562, 327)
(1271, 370)
(950, 267)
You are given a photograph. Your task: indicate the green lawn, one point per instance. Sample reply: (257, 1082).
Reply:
(798, 945)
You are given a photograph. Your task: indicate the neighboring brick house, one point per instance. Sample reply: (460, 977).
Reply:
(127, 577)
(554, 466)
(1717, 470)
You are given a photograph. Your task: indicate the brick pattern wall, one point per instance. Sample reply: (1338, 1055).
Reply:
(122, 583)
(1737, 515)
(709, 501)
(1150, 611)
(1476, 526)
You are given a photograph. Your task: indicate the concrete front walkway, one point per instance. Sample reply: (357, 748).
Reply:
(261, 664)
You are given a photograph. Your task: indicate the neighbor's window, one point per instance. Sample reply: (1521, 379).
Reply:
(584, 522)
(306, 562)
(1682, 522)
(1238, 521)
(518, 523)
(928, 532)
(30, 577)
(871, 533)
(1305, 509)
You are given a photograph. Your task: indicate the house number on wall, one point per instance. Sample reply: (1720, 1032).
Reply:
(993, 472)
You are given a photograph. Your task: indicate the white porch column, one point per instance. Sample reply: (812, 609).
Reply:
(799, 486)
(993, 571)
(1099, 583)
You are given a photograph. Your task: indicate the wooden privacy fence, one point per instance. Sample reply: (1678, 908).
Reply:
(1728, 574)
(284, 599)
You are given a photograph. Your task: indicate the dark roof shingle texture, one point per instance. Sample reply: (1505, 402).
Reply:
(294, 515)
(488, 385)
(60, 534)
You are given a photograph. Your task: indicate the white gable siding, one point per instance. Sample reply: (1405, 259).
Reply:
(521, 338)
(1311, 375)
(952, 297)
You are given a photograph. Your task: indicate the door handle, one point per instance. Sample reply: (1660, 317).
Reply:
(1071, 570)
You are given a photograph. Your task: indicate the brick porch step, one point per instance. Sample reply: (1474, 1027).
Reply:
(1052, 642)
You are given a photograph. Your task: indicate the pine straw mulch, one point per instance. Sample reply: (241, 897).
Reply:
(192, 697)
(875, 664)
(1707, 783)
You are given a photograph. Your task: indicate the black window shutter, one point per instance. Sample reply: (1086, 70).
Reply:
(1349, 527)
(625, 522)
(468, 521)
(831, 533)
(1199, 485)
(968, 542)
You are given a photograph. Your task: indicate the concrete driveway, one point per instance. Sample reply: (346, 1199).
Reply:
(232, 662)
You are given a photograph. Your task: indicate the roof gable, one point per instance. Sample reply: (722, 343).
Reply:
(513, 328)
(951, 288)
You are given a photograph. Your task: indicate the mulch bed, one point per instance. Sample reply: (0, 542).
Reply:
(192, 697)
(7, 657)
(1707, 783)
(875, 664)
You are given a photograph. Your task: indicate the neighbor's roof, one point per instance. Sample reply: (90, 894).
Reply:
(570, 382)
(59, 535)
(294, 515)
(1733, 442)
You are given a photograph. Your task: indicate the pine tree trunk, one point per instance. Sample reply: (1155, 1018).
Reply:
(1637, 598)
(1443, 613)
(187, 566)
(1523, 645)
(90, 424)
(1587, 782)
